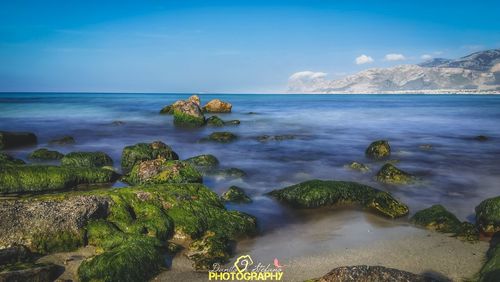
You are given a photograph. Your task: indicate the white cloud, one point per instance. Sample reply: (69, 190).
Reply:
(426, 57)
(307, 75)
(364, 59)
(395, 57)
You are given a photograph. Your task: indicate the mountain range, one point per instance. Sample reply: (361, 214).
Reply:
(475, 73)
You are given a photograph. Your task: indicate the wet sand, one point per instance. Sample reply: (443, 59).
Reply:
(324, 240)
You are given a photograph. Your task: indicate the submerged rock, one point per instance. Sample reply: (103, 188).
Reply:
(267, 138)
(162, 171)
(45, 155)
(16, 139)
(488, 216)
(439, 219)
(390, 174)
(43, 178)
(134, 154)
(222, 137)
(215, 121)
(359, 167)
(87, 159)
(378, 150)
(217, 106)
(365, 273)
(318, 193)
(6, 159)
(235, 194)
(65, 140)
(204, 162)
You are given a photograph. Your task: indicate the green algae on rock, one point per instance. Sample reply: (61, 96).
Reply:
(318, 193)
(358, 166)
(86, 159)
(367, 273)
(439, 219)
(187, 114)
(488, 216)
(235, 194)
(491, 268)
(378, 150)
(6, 159)
(207, 250)
(65, 140)
(16, 139)
(203, 162)
(45, 154)
(221, 137)
(41, 178)
(162, 171)
(390, 174)
(215, 121)
(134, 154)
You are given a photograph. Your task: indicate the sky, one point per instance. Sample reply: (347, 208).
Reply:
(233, 46)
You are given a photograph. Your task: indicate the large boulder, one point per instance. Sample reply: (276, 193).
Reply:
(488, 216)
(365, 273)
(187, 113)
(16, 139)
(439, 219)
(319, 193)
(217, 106)
(134, 154)
(162, 171)
(378, 150)
(45, 155)
(390, 174)
(87, 159)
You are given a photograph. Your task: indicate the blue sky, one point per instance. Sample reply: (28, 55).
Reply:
(225, 46)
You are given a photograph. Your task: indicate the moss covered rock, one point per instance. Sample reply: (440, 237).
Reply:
(40, 178)
(39, 272)
(439, 219)
(358, 166)
(211, 248)
(65, 140)
(488, 216)
(378, 150)
(390, 174)
(491, 268)
(45, 155)
(235, 194)
(134, 154)
(367, 273)
(87, 159)
(222, 137)
(318, 193)
(217, 106)
(204, 162)
(6, 159)
(16, 139)
(215, 121)
(187, 114)
(167, 110)
(163, 171)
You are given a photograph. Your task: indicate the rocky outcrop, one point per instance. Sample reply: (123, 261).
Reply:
(16, 139)
(87, 159)
(318, 193)
(134, 154)
(162, 171)
(217, 106)
(365, 273)
(488, 216)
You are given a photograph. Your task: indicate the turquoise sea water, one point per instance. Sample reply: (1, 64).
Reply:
(331, 131)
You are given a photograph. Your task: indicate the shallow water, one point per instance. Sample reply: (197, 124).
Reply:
(331, 131)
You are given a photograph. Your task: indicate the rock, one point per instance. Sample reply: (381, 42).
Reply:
(6, 159)
(162, 171)
(481, 138)
(87, 159)
(167, 110)
(46, 155)
(318, 193)
(390, 174)
(211, 248)
(146, 152)
(14, 254)
(117, 123)
(365, 273)
(439, 219)
(222, 137)
(228, 173)
(266, 138)
(48, 225)
(204, 162)
(31, 272)
(378, 150)
(359, 167)
(217, 106)
(491, 268)
(187, 114)
(488, 216)
(235, 194)
(65, 140)
(43, 178)
(232, 122)
(425, 147)
(16, 139)
(215, 121)
(195, 99)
